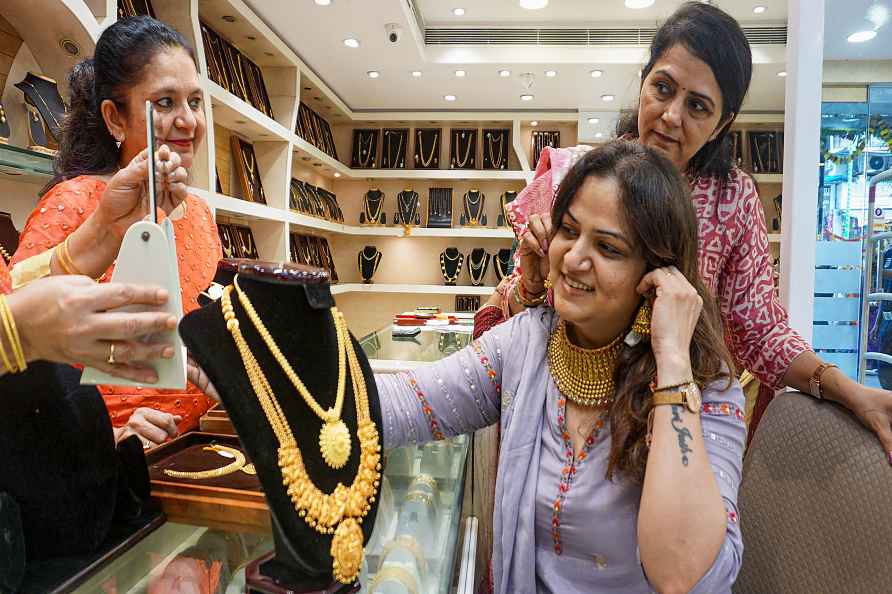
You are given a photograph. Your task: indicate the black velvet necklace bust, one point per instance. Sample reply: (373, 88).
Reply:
(373, 208)
(502, 263)
(451, 261)
(368, 259)
(293, 301)
(43, 94)
(478, 264)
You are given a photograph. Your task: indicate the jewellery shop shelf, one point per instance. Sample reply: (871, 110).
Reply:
(410, 289)
(774, 238)
(769, 178)
(23, 165)
(237, 206)
(438, 174)
(234, 114)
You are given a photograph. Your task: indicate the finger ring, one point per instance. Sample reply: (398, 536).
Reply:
(111, 354)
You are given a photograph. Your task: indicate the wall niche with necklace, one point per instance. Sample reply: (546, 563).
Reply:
(251, 169)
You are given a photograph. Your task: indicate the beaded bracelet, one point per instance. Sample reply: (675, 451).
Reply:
(17, 363)
(521, 297)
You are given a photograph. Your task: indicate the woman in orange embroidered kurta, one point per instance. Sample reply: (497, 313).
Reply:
(136, 60)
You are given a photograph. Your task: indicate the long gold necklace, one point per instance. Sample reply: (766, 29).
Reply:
(368, 208)
(451, 278)
(408, 208)
(250, 161)
(479, 268)
(237, 464)
(42, 100)
(584, 376)
(341, 512)
(373, 260)
(497, 164)
(430, 157)
(502, 265)
(236, 58)
(334, 437)
(468, 203)
(367, 151)
(464, 161)
(399, 148)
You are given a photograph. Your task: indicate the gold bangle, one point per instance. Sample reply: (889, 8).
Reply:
(522, 299)
(12, 334)
(425, 498)
(233, 466)
(9, 366)
(397, 574)
(408, 543)
(424, 479)
(63, 257)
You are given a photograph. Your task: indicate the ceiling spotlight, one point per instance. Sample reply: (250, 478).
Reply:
(533, 4)
(504, 73)
(597, 73)
(351, 42)
(635, 4)
(599, 135)
(416, 73)
(458, 11)
(373, 73)
(534, 123)
(337, 174)
(608, 98)
(782, 73)
(460, 73)
(449, 97)
(759, 9)
(594, 121)
(323, 2)
(862, 36)
(551, 73)
(526, 97)
(228, 18)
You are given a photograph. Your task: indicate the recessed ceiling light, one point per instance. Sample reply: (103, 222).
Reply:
(228, 18)
(460, 73)
(526, 97)
(323, 2)
(504, 73)
(534, 123)
(449, 97)
(862, 36)
(639, 3)
(759, 9)
(599, 135)
(594, 121)
(416, 73)
(597, 73)
(250, 37)
(782, 73)
(551, 73)
(351, 42)
(607, 98)
(270, 54)
(337, 174)
(533, 4)
(458, 11)
(373, 73)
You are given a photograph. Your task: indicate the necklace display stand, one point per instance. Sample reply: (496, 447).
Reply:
(365, 149)
(285, 297)
(427, 148)
(451, 261)
(393, 152)
(368, 260)
(542, 139)
(247, 170)
(505, 199)
(496, 149)
(478, 264)
(502, 263)
(42, 94)
(373, 208)
(439, 208)
(408, 208)
(473, 212)
(463, 149)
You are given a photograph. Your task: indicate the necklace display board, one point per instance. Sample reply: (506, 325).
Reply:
(42, 94)
(736, 137)
(408, 208)
(365, 149)
(473, 212)
(311, 250)
(505, 199)
(439, 208)
(395, 143)
(237, 241)
(467, 303)
(37, 136)
(502, 263)
(542, 139)
(132, 8)
(463, 148)
(373, 208)
(234, 71)
(5, 129)
(451, 261)
(9, 237)
(767, 151)
(427, 148)
(496, 148)
(368, 260)
(315, 129)
(478, 264)
(247, 170)
(274, 383)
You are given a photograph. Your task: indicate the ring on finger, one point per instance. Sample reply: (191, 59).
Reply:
(111, 354)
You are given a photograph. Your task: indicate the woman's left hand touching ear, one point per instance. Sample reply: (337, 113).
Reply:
(676, 310)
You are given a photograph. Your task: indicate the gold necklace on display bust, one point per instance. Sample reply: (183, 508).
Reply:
(584, 376)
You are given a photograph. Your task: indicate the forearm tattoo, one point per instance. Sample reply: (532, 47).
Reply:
(683, 434)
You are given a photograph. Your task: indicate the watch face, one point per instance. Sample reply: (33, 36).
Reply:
(693, 398)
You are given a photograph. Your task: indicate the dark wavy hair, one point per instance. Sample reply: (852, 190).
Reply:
(713, 36)
(662, 225)
(123, 52)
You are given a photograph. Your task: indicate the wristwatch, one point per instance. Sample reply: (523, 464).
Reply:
(688, 395)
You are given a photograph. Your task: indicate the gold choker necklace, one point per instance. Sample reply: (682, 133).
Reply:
(342, 511)
(584, 376)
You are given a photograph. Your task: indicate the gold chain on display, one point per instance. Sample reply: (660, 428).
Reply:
(585, 376)
(446, 276)
(467, 205)
(492, 140)
(464, 161)
(342, 511)
(368, 209)
(334, 438)
(476, 279)
(42, 100)
(234, 466)
(399, 148)
(430, 158)
(407, 207)
(369, 157)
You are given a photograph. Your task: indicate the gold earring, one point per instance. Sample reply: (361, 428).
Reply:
(641, 324)
(549, 284)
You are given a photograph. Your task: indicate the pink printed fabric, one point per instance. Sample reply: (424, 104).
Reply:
(735, 261)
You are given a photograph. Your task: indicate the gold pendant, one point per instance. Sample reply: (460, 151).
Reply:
(347, 551)
(334, 443)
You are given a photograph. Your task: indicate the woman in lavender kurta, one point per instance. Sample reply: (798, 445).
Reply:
(583, 503)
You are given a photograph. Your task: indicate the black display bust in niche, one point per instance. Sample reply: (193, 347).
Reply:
(506, 198)
(42, 94)
(373, 208)
(294, 303)
(502, 263)
(368, 259)
(473, 213)
(478, 264)
(408, 208)
(451, 261)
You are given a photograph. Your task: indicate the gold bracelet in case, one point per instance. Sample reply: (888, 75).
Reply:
(233, 466)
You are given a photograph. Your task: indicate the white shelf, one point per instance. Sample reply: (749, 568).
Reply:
(774, 238)
(438, 174)
(241, 208)
(769, 178)
(231, 112)
(309, 154)
(297, 219)
(409, 289)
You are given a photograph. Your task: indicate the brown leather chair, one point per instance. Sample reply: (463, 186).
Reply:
(815, 503)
